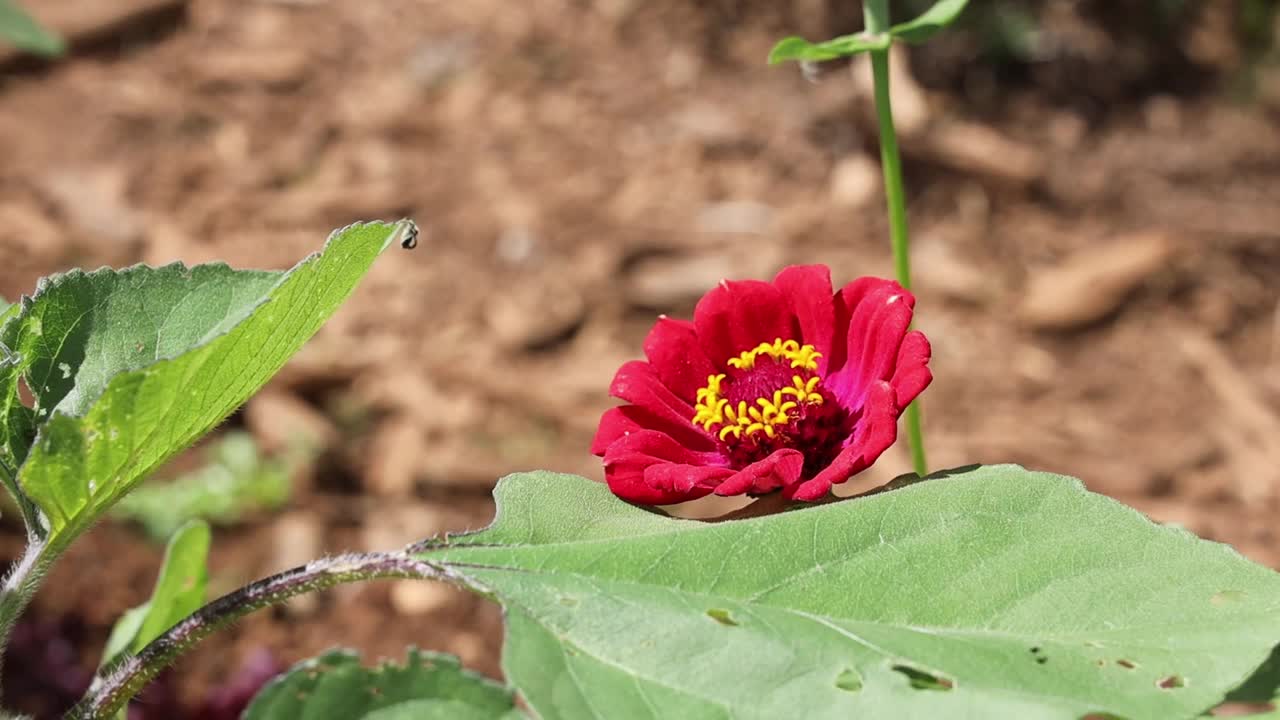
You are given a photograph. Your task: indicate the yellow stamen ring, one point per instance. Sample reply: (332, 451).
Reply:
(713, 409)
(800, 356)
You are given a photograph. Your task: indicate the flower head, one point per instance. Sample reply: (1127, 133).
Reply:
(779, 385)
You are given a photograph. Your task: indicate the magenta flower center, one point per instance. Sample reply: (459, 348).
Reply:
(772, 398)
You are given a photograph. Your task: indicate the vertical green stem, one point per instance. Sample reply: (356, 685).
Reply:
(876, 16)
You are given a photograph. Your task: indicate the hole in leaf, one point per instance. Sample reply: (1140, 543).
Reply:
(722, 616)
(1226, 597)
(1042, 660)
(1170, 682)
(849, 680)
(1035, 650)
(1126, 664)
(924, 680)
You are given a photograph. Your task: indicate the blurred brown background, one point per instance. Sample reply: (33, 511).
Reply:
(1095, 204)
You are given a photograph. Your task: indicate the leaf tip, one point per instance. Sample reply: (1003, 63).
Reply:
(789, 48)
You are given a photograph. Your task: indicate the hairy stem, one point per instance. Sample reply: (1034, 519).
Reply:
(114, 686)
(17, 589)
(876, 16)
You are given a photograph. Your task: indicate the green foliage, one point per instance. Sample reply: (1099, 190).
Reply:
(797, 48)
(993, 592)
(429, 686)
(19, 28)
(129, 367)
(179, 591)
(924, 26)
(236, 481)
(928, 23)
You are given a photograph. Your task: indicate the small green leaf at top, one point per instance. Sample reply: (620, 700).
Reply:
(990, 592)
(20, 29)
(429, 686)
(799, 49)
(129, 367)
(942, 14)
(179, 591)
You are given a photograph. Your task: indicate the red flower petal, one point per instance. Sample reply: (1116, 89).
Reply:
(844, 302)
(673, 350)
(875, 432)
(615, 423)
(650, 468)
(808, 291)
(737, 316)
(877, 324)
(780, 469)
(912, 374)
(637, 382)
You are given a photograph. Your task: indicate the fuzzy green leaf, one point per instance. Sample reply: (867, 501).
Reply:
(942, 14)
(129, 367)
(334, 686)
(797, 48)
(992, 592)
(179, 591)
(24, 32)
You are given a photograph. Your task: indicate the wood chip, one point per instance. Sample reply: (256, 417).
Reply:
(296, 540)
(669, 282)
(1093, 282)
(982, 150)
(1243, 424)
(395, 458)
(419, 597)
(278, 419)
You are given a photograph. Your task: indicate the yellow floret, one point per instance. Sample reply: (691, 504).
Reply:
(800, 356)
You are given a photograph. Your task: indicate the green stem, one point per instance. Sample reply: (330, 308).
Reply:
(876, 16)
(18, 587)
(115, 685)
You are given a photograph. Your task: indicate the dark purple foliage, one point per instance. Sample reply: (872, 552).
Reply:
(43, 676)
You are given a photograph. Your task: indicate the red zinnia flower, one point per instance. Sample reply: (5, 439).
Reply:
(780, 385)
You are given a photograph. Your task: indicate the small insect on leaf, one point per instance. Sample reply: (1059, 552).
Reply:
(410, 239)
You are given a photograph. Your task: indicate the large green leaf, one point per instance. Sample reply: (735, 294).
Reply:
(19, 28)
(429, 686)
(129, 367)
(179, 591)
(990, 593)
